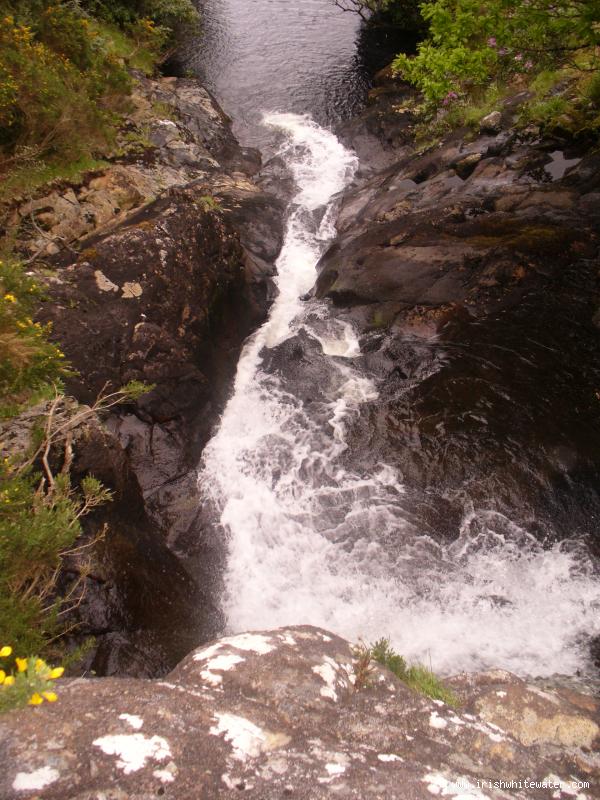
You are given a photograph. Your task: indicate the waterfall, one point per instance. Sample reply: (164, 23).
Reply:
(311, 541)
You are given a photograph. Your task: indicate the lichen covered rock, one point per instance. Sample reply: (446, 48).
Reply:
(277, 714)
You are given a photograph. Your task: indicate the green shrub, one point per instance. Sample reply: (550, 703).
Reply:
(417, 676)
(28, 361)
(591, 90)
(470, 44)
(39, 524)
(173, 16)
(63, 71)
(27, 682)
(59, 85)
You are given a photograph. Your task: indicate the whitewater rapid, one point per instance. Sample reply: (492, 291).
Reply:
(309, 541)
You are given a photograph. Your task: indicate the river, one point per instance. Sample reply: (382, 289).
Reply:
(312, 537)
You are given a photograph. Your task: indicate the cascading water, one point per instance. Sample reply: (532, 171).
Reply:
(310, 541)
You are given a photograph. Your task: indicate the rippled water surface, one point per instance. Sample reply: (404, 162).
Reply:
(262, 56)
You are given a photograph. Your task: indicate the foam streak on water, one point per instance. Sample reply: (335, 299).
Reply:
(311, 542)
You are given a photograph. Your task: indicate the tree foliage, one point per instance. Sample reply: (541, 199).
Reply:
(470, 43)
(403, 14)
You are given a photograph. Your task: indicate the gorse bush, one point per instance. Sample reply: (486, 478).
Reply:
(63, 71)
(40, 510)
(471, 44)
(59, 85)
(28, 361)
(25, 681)
(39, 525)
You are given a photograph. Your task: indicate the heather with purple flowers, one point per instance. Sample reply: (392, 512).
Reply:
(450, 97)
(472, 47)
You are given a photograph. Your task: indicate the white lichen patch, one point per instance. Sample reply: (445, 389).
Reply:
(388, 757)
(246, 738)
(335, 766)
(163, 775)
(184, 689)
(436, 721)
(103, 283)
(328, 671)
(219, 664)
(229, 783)
(286, 638)
(131, 290)
(33, 781)
(133, 720)
(552, 698)
(493, 732)
(248, 642)
(458, 788)
(134, 750)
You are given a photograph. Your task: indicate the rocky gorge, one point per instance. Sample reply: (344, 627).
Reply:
(464, 277)
(161, 266)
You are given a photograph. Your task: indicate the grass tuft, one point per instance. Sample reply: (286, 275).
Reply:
(417, 677)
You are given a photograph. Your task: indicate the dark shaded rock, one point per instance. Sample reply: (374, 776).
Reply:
(308, 374)
(473, 280)
(280, 714)
(276, 179)
(163, 267)
(167, 299)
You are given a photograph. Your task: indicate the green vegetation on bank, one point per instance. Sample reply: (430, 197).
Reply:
(473, 55)
(416, 676)
(40, 509)
(65, 78)
(65, 82)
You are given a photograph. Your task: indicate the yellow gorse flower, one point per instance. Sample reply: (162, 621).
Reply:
(10, 298)
(31, 675)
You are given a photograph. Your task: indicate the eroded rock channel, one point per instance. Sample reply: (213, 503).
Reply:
(375, 413)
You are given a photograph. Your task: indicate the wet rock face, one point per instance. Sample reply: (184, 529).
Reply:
(279, 714)
(163, 265)
(472, 274)
(167, 299)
